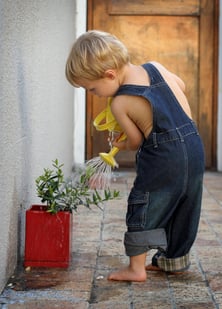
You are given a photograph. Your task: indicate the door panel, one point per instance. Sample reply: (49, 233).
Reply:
(153, 7)
(174, 33)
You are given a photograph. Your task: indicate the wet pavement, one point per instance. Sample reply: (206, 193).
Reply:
(97, 249)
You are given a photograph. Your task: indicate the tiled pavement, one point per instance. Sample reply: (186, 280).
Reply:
(98, 249)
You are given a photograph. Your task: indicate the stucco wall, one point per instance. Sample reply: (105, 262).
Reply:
(79, 93)
(36, 109)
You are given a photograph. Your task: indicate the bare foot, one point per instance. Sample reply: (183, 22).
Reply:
(127, 274)
(151, 267)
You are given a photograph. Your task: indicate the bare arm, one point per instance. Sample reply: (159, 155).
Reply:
(120, 110)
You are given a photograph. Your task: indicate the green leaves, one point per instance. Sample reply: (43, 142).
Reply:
(61, 195)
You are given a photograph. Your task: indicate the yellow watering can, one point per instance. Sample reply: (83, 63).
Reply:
(106, 121)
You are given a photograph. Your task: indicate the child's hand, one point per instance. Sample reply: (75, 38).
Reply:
(120, 141)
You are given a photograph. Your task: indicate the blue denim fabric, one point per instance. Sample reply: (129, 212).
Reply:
(167, 191)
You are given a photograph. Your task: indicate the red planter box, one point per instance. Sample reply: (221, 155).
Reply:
(47, 238)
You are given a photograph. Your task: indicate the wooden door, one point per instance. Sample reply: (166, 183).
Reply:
(179, 34)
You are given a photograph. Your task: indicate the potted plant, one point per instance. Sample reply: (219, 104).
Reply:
(49, 225)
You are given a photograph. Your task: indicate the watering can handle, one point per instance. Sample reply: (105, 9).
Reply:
(121, 137)
(105, 120)
(105, 126)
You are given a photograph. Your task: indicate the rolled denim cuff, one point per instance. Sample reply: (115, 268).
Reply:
(181, 263)
(139, 242)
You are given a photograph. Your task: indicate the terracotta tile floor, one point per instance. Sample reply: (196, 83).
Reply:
(98, 249)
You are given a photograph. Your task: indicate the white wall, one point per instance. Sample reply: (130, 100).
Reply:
(79, 101)
(219, 135)
(36, 109)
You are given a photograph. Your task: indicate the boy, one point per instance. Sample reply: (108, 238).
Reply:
(150, 106)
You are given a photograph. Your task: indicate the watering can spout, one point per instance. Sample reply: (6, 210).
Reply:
(109, 157)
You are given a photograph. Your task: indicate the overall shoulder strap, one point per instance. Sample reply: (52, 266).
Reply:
(153, 72)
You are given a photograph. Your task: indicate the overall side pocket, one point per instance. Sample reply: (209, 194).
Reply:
(136, 215)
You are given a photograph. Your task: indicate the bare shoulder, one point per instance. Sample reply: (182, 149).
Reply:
(169, 76)
(119, 103)
(176, 84)
(163, 70)
(126, 103)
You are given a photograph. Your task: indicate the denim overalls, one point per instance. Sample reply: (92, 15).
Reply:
(165, 201)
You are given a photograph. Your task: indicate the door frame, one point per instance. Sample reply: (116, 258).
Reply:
(204, 23)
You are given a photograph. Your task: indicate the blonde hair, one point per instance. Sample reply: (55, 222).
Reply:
(92, 54)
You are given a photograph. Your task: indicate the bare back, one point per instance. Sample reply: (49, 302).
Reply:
(176, 85)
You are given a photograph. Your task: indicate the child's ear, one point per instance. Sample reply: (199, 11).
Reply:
(111, 74)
